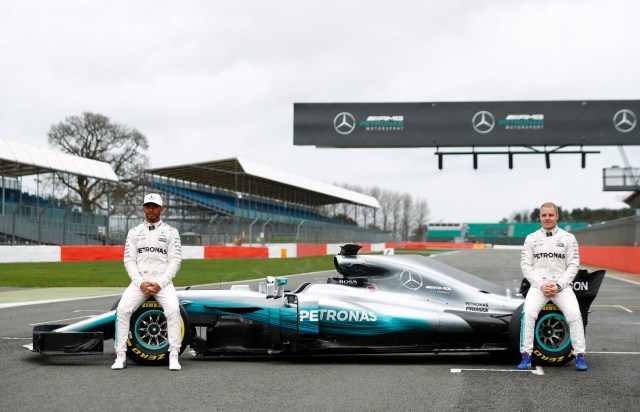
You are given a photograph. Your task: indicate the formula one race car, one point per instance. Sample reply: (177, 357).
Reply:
(374, 304)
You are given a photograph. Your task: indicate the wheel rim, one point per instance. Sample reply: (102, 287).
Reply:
(552, 332)
(151, 330)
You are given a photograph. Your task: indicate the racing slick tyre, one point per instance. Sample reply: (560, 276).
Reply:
(148, 341)
(551, 343)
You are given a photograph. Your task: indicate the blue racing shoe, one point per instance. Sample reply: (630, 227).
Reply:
(581, 365)
(526, 362)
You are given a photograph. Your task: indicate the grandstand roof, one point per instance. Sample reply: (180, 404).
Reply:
(244, 176)
(18, 159)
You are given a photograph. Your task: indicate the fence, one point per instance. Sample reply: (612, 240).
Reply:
(25, 224)
(223, 230)
(620, 232)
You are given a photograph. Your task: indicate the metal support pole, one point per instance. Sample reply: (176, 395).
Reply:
(13, 229)
(264, 230)
(298, 230)
(44, 209)
(3, 184)
(64, 224)
(107, 233)
(37, 192)
(251, 231)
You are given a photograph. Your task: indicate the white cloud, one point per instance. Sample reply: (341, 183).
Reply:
(218, 79)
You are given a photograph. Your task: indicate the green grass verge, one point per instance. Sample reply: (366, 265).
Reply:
(192, 272)
(424, 252)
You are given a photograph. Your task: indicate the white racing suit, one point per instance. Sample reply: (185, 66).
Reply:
(152, 252)
(551, 259)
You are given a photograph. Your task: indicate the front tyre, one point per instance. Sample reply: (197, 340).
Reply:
(551, 342)
(148, 341)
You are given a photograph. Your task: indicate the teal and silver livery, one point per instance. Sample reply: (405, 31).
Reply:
(373, 304)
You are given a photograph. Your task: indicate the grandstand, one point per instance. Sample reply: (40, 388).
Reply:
(446, 232)
(217, 202)
(27, 218)
(226, 204)
(239, 201)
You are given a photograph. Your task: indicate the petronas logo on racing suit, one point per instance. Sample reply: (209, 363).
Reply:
(147, 249)
(549, 255)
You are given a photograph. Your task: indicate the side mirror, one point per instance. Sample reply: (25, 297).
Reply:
(273, 287)
(281, 282)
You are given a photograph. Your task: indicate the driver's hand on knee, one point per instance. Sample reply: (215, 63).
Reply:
(549, 290)
(149, 288)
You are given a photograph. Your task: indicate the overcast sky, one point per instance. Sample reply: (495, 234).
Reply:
(208, 80)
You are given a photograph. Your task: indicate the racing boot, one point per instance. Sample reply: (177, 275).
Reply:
(581, 365)
(174, 365)
(526, 362)
(121, 361)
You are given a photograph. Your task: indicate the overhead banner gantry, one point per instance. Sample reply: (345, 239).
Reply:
(512, 124)
(517, 123)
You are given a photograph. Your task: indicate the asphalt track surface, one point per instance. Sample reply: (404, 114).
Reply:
(460, 382)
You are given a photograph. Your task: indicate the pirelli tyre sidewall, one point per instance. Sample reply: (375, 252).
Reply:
(551, 342)
(147, 343)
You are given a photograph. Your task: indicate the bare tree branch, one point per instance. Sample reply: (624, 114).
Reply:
(94, 136)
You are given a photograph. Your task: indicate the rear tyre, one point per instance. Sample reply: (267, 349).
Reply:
(551, 343)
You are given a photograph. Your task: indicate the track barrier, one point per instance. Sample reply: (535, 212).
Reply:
(624, 258)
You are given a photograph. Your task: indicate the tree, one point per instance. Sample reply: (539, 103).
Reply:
(374, 192)
(96, 137)
(407, 215)
(396, 213)
(386, 204)
(600, 215)
(399, 213)
(421, 218)
(345, 219)
(535, 215)
(521, 216)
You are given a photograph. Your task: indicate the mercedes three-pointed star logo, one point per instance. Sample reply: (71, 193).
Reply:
(411, 280)
(624, 120)
(344, 123)
(483, 122)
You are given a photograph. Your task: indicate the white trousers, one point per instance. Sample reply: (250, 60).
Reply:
(131, 300)
(567, 303)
